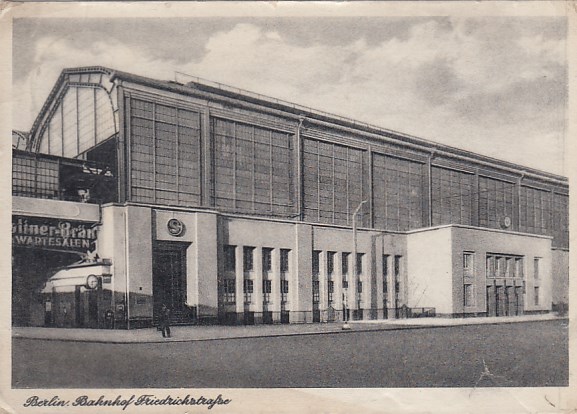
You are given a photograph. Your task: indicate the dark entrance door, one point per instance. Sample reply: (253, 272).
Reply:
(86, 307)
(491, 301)
(169, 278)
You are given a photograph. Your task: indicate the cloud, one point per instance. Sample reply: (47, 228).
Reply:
(489, 88)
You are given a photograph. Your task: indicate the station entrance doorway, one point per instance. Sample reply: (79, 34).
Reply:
(169, 280)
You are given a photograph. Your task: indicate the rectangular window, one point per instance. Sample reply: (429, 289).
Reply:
(284, 260)
(519, 267)
(284, 290)
(316, 291)
(397, 266)
(330, 263)
(316, 261)
(504, 266)
(397, 275)
(266, 290)
(468, 296)
(248, 289)
(359, 286)
(331, 290)
(536, 295)
(229, 291)
(536, 264)
(467, 260)
(490, 266)
(247, 252)
(499, 266)
(345, 264)
(360, 263)
(230, 258)
(385, 265)
(266, 259)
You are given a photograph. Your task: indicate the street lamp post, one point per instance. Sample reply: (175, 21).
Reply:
(353, 277)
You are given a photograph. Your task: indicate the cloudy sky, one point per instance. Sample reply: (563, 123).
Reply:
(495, 86)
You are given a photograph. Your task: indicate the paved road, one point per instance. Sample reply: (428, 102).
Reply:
(512, 355)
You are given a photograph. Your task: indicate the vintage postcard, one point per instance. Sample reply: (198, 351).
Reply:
(277, 207)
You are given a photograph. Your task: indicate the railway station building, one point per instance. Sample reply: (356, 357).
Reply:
(235, 208)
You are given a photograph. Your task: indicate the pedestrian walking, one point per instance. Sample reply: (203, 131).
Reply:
(164, 321)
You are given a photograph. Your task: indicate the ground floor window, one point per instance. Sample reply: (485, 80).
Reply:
(229, 291)
(468, 295)
(248, 289)
(266, 290)
(316, 291)
(284, 290)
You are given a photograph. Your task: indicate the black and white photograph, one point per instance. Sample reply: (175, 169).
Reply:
(260, 207)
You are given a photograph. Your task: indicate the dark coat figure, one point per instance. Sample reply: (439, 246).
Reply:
(164, 321)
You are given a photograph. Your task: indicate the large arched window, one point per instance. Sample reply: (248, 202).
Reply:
(83, 116)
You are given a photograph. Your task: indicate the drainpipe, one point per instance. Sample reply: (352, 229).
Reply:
(127, 273)
(300, 192)
(430, 185)
(519, 200)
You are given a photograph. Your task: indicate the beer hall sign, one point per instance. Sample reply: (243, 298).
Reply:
(53, 234)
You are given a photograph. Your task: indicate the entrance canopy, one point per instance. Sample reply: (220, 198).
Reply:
(68, 278)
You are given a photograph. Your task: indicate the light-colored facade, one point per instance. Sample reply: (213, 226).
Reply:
(235, 208)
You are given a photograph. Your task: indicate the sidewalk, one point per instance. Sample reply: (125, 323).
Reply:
(207, 333)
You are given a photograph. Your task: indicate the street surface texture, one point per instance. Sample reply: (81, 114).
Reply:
(532, 354)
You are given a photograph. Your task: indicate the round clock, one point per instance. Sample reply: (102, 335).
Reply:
(506, 222)
(91, 282)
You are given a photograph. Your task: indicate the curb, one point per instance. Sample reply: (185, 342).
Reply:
(277, 335)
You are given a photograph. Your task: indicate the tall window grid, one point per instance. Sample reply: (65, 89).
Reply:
(165, 154)
(452, 196)
(34, 177)
(560, 220)
(495, 201)
(397, 193)
(535, 210)
(253, 168)
(335, 181)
